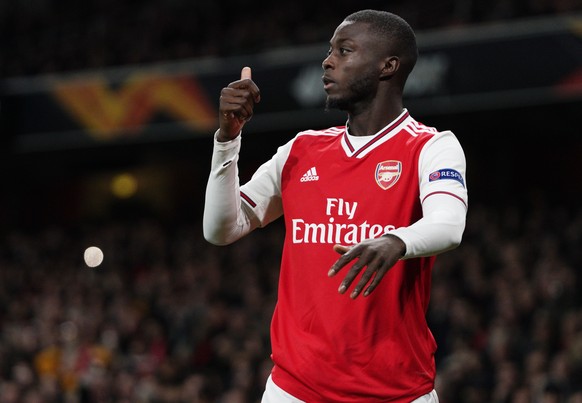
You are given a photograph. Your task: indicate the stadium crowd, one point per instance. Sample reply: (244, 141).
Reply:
(170, 318)
(49, 36)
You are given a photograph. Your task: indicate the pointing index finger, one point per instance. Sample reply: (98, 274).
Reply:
(245, 73)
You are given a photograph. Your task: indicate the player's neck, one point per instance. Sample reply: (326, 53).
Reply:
(372, 120)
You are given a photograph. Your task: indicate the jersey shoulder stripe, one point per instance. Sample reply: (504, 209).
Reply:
(416, 129)
(331, 131)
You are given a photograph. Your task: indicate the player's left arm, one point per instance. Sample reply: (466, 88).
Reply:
(443, 194)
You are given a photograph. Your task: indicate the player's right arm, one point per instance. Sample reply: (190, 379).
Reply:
(226, 216)
(224, 220)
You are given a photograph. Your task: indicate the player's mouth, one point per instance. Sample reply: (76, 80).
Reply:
(327, 82)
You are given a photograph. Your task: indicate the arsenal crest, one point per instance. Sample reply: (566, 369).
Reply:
(388, 173)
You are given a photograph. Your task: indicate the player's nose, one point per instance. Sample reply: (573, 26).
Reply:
(327, 62)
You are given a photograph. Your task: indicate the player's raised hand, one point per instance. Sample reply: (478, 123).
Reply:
(376, 255)
(237, 102)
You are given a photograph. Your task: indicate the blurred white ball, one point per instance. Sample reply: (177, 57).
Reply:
(93, 256)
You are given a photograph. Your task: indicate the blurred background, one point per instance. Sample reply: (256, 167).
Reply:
(107, 111)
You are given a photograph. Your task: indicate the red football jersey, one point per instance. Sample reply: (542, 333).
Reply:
(325, 346)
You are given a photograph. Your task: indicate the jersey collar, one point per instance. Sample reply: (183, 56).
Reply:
(355, 147)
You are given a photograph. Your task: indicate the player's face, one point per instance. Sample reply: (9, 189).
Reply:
(352, 67)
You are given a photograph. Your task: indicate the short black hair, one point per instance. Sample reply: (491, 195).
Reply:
(398, 33)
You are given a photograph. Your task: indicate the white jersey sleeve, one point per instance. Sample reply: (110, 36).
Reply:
(443, 194)
(227, 217)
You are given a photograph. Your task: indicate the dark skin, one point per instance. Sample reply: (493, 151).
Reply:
(362, 79)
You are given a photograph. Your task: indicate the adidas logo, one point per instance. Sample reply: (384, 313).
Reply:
(310, 175)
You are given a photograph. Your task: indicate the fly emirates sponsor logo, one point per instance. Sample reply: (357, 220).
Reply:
(332, 232)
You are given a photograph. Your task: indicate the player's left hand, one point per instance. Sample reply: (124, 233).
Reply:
(376, 255)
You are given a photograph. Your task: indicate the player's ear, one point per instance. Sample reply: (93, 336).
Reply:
(390, 67)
